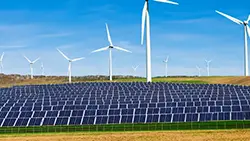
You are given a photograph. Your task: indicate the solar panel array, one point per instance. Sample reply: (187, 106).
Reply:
(116, 103)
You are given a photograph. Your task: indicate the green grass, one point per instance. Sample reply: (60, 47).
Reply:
(214, 125)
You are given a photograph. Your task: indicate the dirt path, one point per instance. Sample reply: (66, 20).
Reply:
(222, 135)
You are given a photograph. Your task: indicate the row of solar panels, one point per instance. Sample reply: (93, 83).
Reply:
(133, 104)
(118, 119)
(136, 93)
(135, 87)
(116, 96)
(107, 99)
(126, 89)
(131, 84)
(90, 112)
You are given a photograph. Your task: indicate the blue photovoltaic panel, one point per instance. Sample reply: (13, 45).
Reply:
(115, 103)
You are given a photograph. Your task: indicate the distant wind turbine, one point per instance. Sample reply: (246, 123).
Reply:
(199, 70)
(42, 69)
(208, 66)
(166, 66)
(246, 31)
(134, 69)
(31, 65)
(70, 61)
(1, 62)
(110, 47)
(146, 19)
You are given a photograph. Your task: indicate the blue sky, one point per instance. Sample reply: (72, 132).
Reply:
(188, 33)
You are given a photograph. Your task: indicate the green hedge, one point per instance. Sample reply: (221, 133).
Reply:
(129, 127)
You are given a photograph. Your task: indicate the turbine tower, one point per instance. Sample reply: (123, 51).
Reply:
(208, 66)
(70, 61)
(110, 47)
(246, 31)
(166, 66)
(199, 71)
(134, 69)
(146, 18)
(31, 65)
(42, 69)
(1, 62)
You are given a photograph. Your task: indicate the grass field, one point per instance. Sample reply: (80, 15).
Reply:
(215, 125)
(197, 135)
(12, 80)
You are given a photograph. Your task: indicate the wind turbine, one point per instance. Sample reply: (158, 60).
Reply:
(134, 69)
(199, 70)
(110, 47)
(146, 18)
(42, 69)
(246, 31)
(166, 66)
(208, 66)
(31, 65)
(70, 61)
(1, 62)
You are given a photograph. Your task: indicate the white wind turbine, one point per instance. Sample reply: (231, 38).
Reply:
(246, 31)
(166, 66)
(199, 70)
(208, 66)
(110, 47)
(145, 18)
(134, 69)
(31, 65)
(1, 62)
(70, 61)
(42, 69)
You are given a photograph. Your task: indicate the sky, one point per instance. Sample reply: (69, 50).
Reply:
(188, 34)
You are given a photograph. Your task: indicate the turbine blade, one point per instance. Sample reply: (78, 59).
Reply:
(167, 1)
(27, 59)
(77, 59)
(136, 67)
(2, 56)
(35, 60)
(101, 49)
(109, 37)
(248, 31)
(248, 18)
(63, 54)
(143, 21)
(230, 17)
(167, 58)
(122, 49)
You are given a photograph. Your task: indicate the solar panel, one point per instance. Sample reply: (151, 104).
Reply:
(49, 121)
